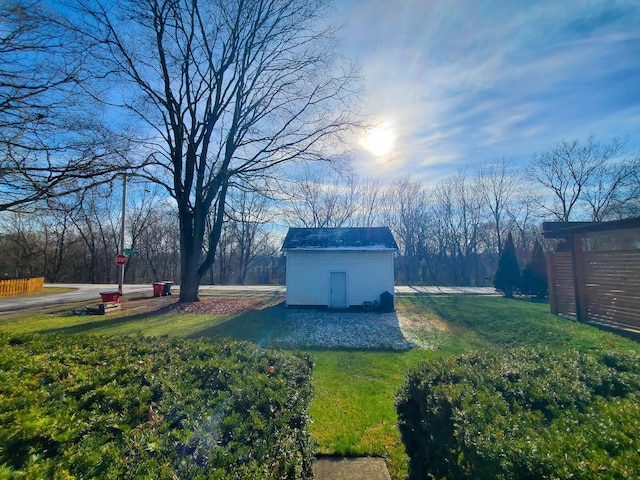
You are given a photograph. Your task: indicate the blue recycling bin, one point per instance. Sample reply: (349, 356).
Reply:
(166, 289)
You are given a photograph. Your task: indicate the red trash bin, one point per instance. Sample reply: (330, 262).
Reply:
(110, 296)
(158, 288)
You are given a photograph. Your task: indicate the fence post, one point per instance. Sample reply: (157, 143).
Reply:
(578, 278)
(551, 280)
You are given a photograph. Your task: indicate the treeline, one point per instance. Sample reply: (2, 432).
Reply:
(449, 233)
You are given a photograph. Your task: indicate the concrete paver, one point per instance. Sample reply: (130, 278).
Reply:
(360, 468)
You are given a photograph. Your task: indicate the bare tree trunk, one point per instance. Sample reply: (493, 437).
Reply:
(189, 279)
(191, 243)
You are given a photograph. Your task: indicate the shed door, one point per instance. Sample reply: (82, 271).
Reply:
(338, 290)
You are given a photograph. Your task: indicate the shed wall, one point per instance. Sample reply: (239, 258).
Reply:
(308, 276)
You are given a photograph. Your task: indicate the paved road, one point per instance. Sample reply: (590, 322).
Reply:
(88, 292)
(436, 290)
(81, 293)
(91, 292)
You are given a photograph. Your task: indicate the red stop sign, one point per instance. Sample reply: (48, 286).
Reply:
(121, 259)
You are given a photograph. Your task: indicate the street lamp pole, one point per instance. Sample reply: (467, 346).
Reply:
(124, 208)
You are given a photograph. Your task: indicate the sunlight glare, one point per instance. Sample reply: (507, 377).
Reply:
(379, 140)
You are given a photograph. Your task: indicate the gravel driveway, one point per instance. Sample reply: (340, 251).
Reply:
(358, 330)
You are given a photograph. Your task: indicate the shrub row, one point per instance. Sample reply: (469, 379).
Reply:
(523, 414)
(133, 407)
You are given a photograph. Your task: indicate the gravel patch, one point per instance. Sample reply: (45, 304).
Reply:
(358, 330)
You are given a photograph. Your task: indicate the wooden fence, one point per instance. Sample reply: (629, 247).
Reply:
(610, 289)
(21, 285)
(561, 292)
(598, 279)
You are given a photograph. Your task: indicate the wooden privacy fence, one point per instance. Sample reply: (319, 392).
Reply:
(598, 278)
(20, 285)
(611, 288)
(560, 275)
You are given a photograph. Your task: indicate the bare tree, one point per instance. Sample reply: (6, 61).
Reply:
(405, 210)
(320, 198)
(92, 214)
(52, 139)
(613, 190)
(63, 237)
(142, 214)
(525, 215)
(231, 90)
(369, 193)
(631, 207)
(22, 245)
(570, 170)
(249, 214)
(158, 242)
(497, 184)
(459, 208)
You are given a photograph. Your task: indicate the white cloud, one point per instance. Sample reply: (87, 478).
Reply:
(468, 81)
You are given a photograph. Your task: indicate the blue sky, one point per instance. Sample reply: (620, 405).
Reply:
(462, 82)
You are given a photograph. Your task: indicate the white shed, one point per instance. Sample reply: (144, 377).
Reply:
(339, 267)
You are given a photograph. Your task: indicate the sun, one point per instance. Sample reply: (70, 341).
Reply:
(379, 140)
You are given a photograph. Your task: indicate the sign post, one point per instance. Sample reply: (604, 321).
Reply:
(119, 257)
(120, 260)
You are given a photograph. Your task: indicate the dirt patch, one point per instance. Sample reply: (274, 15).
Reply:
(220, 306)
(421, 321)
(145, 304)
(425, 330)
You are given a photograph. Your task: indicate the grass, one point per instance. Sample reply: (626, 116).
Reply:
(353, 406)
(496, 322)
(183, 325)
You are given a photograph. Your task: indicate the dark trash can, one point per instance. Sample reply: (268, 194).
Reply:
(167, 288)
(386, 302)
(158, 288)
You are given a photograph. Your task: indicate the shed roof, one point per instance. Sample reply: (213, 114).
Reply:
(566, 229)
(355, 239)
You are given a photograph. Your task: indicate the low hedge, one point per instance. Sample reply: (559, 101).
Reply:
(523, 414)
(134, 407)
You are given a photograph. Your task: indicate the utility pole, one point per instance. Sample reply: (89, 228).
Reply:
(124, 209)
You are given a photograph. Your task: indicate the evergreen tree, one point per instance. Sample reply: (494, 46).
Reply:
(507, 277)
(534, 275)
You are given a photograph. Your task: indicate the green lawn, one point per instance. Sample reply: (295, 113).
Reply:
(353, 406)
